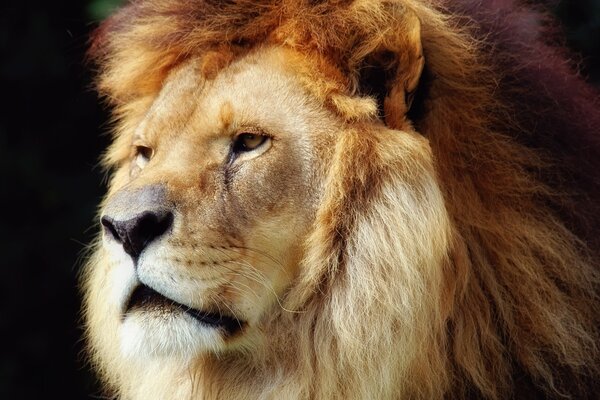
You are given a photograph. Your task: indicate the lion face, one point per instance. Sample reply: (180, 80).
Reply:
(207, 220)
(204, 224)
(260, 216)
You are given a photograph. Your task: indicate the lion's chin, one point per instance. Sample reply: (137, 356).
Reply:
(154, 325)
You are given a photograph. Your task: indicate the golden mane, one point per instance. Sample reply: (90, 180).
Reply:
(516, 306)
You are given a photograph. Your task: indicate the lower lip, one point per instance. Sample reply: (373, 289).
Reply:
(145, 298)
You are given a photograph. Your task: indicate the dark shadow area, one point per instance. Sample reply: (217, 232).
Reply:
(52, 132)
(581, 23)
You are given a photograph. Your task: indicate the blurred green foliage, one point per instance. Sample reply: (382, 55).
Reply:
(97, 10)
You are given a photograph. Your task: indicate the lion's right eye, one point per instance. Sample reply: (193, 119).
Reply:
(248, 141)
(143, 154)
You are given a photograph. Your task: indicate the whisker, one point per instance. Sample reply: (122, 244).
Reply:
(265, 281)
(233, 313)
(262, 253)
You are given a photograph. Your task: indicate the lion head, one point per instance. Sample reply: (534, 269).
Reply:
(322, 200)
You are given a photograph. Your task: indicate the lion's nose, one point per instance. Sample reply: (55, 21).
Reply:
(138, 232)
(136, 217)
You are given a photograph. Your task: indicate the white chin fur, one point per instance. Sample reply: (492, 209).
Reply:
(145, 336)
(122, 277)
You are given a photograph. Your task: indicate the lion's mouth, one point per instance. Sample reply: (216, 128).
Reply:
(144, 298)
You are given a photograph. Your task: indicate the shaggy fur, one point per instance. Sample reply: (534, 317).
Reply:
(504, 302)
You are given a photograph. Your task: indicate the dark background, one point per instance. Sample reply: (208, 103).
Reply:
(52, 131)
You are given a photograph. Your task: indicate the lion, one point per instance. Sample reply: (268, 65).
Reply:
(351, 199)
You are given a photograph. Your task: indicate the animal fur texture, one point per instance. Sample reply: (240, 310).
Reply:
(450, 233)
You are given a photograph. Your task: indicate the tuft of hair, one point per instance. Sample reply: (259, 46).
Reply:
(513, 130)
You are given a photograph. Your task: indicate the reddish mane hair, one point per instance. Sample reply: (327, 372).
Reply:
(551, 106)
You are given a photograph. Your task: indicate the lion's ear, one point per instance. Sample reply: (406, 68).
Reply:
(388, 64)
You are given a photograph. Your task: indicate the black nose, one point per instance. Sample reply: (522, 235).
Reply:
(136, 233)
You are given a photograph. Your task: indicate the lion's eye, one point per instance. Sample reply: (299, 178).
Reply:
(248, 142)
(143, 154)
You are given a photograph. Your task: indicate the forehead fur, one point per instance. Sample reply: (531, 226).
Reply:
(137, 47)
